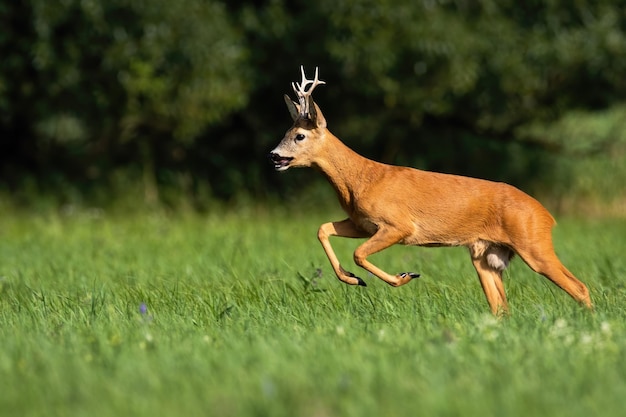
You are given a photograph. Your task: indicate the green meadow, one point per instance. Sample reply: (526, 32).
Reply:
(237, 313)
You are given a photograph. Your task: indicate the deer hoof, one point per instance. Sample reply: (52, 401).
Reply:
(412, 275)
(359, 281)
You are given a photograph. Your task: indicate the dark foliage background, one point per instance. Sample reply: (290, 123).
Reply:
(182, 100)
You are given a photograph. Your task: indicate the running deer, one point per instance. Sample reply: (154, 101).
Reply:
(392, 204)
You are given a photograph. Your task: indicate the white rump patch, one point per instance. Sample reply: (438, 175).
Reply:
(497, 256)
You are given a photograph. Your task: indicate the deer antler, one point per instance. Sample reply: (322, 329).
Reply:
(304, 94)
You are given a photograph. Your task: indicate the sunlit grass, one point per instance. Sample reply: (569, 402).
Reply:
(236, 314)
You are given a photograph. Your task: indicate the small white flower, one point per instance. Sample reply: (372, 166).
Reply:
(586, 339)
(560, 328)
(381, 335)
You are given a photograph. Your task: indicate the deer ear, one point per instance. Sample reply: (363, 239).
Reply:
(294, 108)
(316, 115)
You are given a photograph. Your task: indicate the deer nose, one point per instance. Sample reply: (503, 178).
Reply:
(280, 163)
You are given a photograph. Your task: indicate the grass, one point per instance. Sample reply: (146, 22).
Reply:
(240, 315)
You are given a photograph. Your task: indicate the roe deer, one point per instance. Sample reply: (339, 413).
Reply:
(392, 204)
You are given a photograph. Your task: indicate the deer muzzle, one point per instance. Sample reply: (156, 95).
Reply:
(280, 163)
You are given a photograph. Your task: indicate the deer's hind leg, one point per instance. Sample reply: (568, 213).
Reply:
(489, 261)
(542, 259)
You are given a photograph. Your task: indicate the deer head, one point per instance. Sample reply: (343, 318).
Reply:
(302, 141)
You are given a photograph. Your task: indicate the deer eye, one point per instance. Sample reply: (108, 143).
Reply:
(300, 137)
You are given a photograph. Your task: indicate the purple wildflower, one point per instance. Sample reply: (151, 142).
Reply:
(143, 309)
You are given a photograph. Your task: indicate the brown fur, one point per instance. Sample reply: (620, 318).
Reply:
(391, 204)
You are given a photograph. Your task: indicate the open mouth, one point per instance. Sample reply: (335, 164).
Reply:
(281, 163)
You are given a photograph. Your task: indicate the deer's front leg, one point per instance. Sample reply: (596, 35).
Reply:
(344, 228)
(382, 239)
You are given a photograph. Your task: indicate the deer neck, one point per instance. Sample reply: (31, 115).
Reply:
(347, 171)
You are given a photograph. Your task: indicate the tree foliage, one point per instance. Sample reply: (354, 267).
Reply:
(188, 93)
